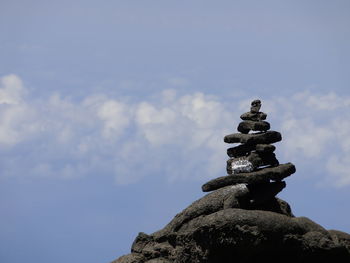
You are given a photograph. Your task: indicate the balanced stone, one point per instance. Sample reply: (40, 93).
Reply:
(249, 116)
(250, 162)
(260, 176)
(256, 138)
(265, 148)
(244, 149)
(240, 150)
(255, 106)
(247, 126)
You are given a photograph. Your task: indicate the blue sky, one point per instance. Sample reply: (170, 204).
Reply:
(113, 114)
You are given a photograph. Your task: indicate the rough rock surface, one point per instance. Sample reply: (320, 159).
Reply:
(241, 235)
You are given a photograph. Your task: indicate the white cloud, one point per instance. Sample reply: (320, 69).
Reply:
(178, 136)
(305, 137)
(14, 113)
(116, 118)
(316, 128)
(338, 166)
(11, 89)
(330, 101)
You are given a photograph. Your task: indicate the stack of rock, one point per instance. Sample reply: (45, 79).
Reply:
(253, 164)
(241, 219)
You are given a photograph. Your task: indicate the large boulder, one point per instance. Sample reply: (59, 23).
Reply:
(240, 223)
(241, 235)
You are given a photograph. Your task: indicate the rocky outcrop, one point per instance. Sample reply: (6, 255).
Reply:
(241, 219)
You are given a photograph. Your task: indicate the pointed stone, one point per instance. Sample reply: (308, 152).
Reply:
(255, 106)
(256, 138)
(261, 176)
(247, 126)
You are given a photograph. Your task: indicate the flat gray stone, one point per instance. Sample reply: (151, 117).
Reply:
(256, 138)
(247, 126)
(264, 175)
(244, 149)
(251, 116)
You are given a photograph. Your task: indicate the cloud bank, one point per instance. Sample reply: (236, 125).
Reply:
(178, 136)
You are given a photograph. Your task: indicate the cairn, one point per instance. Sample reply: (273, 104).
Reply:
(241, 219)
(253, 164)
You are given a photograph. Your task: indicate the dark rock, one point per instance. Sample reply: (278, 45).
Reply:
(240, 150)
(274, 205)
(237, 235)
(265, 148)
(249, 116)
(277, 173)
(226, 197)
(244, 149)
(237, 196)
(240, 235)
(257, 138)
(255, 106)
(260, 194)
(247, 126)
(268, 159)
(341, 238)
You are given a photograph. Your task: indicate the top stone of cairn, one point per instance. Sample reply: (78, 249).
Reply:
(254, 114)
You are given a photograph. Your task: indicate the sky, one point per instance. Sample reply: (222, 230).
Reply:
(113, 113)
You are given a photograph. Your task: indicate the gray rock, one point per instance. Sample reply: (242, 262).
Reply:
(277, 173)
(247, 126)
(257, 138)
(226, 197)
(244, 149)
(159, 260)
(256, 160)
(249, 116)
(237, 196)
